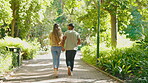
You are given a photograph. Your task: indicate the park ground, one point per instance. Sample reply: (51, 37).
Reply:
(39, 70)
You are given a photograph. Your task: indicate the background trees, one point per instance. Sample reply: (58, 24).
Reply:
(5, 16)
(23, 14)
(5, 12)
(34, 18)
(28, 14)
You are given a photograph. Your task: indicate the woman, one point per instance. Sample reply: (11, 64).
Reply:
(56, 47)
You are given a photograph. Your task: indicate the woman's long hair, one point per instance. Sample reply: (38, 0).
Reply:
(57, 32)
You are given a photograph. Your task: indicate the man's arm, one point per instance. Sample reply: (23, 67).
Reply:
(78, 38)
(79, 41)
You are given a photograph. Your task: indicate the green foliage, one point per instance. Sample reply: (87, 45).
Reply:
(8, 60)
(28, 49)
(5, 60)
(30, 13)
(134, 23)
(25, 14)
(5, 12)
(113, 4)
(135, 30)
(61, 19)
(125, 63)
(89, 54)
(14, 59)
(56, 4)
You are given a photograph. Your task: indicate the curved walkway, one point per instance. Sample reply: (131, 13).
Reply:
(40, 70)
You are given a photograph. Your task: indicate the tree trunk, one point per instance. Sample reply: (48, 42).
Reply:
(113, 30)
(12, 27)
(16, 30)
(13, 22)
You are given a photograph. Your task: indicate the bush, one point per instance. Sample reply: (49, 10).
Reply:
(125, 63)
(89, 54)
(8, 60)
(5, 60)
(29, 49)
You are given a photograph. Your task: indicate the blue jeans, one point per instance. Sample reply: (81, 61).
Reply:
(56, 51)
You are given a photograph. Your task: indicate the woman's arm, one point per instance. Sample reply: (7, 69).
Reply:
(50, 39)
(63, 41)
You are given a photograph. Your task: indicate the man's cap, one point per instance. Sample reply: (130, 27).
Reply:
(72, 25)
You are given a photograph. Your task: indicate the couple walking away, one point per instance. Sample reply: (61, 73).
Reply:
(67, 42)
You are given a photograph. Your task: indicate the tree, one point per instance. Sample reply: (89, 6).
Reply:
(114, 7)
(26, 13)
(5, 12)
(120, 15)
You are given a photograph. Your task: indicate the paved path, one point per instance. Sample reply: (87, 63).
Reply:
(40, 70)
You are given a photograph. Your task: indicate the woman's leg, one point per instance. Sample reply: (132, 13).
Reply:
(54, 55)
(59, 49)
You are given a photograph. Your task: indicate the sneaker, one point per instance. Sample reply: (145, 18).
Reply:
(69, 71)
(56, 73)
(56, 76)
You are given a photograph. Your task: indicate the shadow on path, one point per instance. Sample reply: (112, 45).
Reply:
(40, 70)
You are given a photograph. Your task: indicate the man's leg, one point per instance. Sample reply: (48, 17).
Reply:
(68, 61)
(68, 58)
(73, 53)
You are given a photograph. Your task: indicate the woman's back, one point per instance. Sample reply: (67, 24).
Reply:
(55, 40)
(56, 36)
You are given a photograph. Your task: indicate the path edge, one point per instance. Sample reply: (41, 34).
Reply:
(9, 74)
(13, 71)
(107, 74)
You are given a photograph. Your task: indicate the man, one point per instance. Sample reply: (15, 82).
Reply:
(71, 40)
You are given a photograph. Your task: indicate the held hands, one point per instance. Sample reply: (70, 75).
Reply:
(63, 42)
(78, 43)
(63, 49)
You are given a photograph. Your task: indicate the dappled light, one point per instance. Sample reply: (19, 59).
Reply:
(124, 42)
(41, 71)
(33, 65)
(108, 35)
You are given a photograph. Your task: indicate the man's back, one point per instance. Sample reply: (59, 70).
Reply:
(71, 40)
